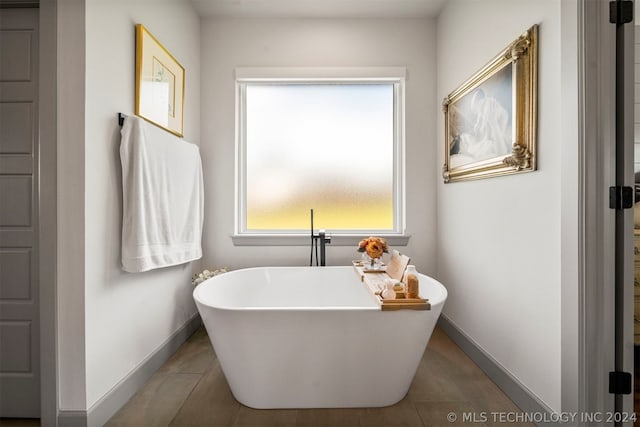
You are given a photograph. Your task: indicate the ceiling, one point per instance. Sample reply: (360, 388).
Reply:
(318, 8)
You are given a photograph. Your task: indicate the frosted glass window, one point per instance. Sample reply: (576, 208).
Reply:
(327, 146)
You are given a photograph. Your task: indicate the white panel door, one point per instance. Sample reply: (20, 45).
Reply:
(19, 307)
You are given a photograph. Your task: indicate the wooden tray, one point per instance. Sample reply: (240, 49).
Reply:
(365, 269)
(375, 284)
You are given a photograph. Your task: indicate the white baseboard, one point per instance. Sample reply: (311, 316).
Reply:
(120, 394)
(514, 389)
(109, 404)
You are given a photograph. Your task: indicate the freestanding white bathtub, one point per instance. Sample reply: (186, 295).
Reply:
(313, 337)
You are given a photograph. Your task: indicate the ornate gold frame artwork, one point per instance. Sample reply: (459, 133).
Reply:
(159, 84)
(490, 120)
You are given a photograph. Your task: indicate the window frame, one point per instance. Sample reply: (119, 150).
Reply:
(351, 75)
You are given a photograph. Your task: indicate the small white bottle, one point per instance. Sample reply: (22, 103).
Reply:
(411, 269)
(388, 292)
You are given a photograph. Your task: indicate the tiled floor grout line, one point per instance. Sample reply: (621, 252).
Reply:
(186, 398)
(415, 408)
(445, 381)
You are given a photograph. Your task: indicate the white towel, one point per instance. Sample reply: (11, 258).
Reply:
(163, 198)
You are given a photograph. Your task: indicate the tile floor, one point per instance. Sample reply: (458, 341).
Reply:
(190, 391)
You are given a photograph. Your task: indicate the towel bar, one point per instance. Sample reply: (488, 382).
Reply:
(121, 118)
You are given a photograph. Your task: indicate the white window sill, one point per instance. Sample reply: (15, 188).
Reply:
(305, 240)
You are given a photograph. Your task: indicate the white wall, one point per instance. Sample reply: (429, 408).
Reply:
(636, 133)
(497, 241)
(499, 244)
(70, 204)
(231, 43)
(127, 316)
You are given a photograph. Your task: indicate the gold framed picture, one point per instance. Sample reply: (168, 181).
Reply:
(490, 120)
(159, 84)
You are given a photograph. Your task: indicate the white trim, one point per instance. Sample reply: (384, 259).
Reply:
(572, 208)
(400, 196)
(587, 362)
(594, 352)
(300, 240)
(319, 75)
(519, 393)
(240, 162)
(109, 404)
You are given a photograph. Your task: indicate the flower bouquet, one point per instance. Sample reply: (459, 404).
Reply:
(206, 274)
(374, 248)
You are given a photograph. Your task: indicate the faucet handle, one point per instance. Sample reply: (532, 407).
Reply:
(322, 234)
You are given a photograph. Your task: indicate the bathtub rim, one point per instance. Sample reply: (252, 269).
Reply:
(376, 307)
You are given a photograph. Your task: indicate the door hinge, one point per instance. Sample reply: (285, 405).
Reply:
(621, 11)
(619, 382)
(620, 197)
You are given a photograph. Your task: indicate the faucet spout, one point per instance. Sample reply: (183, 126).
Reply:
(324, 240)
